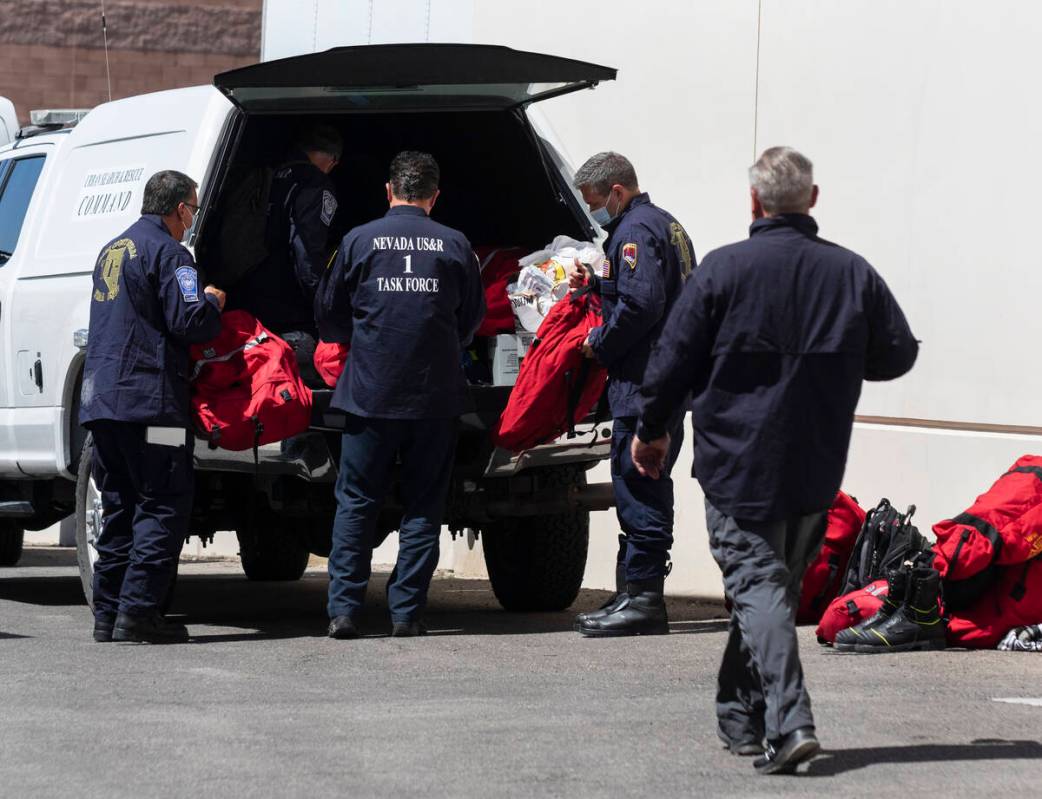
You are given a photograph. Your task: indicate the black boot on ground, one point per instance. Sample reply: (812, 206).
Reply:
(783, 756)
(408, 629)
(898, 581)
(151, 629)
(609, 606)
(343, 628)
(915, 626)
(747, 747)
(640, 611)
(103, 628)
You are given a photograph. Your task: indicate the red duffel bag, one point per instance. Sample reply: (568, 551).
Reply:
(850, 609)
(824, 576)
(1002, 527)
(246, 386)
(557, 386)
(329, 361)
(1015, 600)
(498, 269)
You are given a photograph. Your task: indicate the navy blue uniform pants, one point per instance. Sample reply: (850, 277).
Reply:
(760, 689)
(424, 450)
(644, 506)
(146, 501)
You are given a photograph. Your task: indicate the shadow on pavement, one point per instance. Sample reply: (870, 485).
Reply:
(839, 761)
(217, 594)
(455, 607)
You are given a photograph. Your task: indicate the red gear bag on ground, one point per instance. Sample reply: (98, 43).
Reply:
(824, 577)
(1002, 527)
(850, 609)
(246, 386)
(1015, 600)
(329, 361)
(557, 386)
(498, 269)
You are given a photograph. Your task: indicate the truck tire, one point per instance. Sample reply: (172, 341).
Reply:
(11, 538)
(88, 527)
(536, 563)
(272, 553)
(88, 520)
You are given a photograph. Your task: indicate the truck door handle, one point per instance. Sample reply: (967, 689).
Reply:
(38, 373)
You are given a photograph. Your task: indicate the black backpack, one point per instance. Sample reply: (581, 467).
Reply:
(887, 539)
(244, 238)
(243, 241)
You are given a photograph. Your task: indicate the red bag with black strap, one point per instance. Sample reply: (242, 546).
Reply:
(1003, 527)
(850, 609)
(330, 359)
(557, 386)
(1014, 600)
(246, 386)
(498, 269)
(824, 577)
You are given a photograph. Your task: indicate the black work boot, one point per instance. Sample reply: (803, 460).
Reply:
(915, 626)
(641, 611)
(783, 756)
(611, 603)
(343, 627)
(746, 747)
(148, 629)
(898, 582)
(103, 628)
(408, 629)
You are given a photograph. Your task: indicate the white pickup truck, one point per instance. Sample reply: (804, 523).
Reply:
(65, 191)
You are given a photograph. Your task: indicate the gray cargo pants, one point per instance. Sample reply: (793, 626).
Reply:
(760, 690)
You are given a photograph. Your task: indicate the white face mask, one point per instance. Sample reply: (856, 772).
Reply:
(190, 230)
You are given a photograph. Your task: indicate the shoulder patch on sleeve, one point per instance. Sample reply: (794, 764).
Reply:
(188, 282)
(629, 254)
(328, 207)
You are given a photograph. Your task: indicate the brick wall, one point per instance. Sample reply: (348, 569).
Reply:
(51, 54)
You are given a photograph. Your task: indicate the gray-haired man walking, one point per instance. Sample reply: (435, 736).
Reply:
(773, 335)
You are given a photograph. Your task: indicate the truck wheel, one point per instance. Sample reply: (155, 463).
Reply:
(88, 520)
(537, 562)
(11, 538)
(88, 527)
(271, 554)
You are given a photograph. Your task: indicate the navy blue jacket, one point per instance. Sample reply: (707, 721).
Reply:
(146, 308)
(406, 293)
(280, 291)
(773, 335)
(648, 255)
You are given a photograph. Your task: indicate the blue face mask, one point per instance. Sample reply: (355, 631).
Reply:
(601, 216)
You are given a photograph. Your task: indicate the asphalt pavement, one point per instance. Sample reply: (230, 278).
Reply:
(491, 704)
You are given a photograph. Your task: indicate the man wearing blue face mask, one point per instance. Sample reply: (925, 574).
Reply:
(648, 255)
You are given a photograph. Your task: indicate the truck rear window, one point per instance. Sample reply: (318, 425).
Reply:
(17, 182)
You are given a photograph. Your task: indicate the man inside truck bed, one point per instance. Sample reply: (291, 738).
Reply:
(146, 308)
(648, 255)
(280, 291)
(406, 293)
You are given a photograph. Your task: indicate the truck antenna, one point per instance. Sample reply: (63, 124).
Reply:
(105, 39)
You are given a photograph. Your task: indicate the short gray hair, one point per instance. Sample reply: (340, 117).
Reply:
(783, 179)
(604, 170)
(165, 191)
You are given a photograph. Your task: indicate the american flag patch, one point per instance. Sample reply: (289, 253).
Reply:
(605, 269)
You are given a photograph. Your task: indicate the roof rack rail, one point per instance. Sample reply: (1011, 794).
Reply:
(37, 130)
(57, 116)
